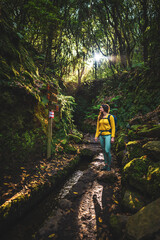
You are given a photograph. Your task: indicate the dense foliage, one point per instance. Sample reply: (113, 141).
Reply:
(129, 94)
(56, 42)
(68, 33)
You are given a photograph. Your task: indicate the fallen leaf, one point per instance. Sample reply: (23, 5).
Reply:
(51, 235)
(6, 184)
(100, 219)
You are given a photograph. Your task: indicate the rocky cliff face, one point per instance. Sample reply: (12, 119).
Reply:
(138, 153)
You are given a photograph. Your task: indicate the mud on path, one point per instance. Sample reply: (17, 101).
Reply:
(84, 212)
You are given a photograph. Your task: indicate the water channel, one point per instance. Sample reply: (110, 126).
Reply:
(25, 228)
(86, 217)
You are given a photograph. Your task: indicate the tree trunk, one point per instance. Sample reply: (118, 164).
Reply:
(144, 27)
(80, 74)
(48, 58)
(122, 45)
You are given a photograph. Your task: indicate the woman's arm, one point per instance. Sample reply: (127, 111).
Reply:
(97, 131)
(112, 128)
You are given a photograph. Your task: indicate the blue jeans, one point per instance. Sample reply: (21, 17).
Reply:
(105, 141)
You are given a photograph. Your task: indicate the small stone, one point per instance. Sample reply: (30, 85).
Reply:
(107, 176)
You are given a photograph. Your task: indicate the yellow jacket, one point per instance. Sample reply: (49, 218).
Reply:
(103, 124)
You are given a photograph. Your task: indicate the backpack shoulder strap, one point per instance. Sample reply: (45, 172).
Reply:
(109, 119)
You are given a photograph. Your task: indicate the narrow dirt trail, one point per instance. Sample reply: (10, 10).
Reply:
(84, 212)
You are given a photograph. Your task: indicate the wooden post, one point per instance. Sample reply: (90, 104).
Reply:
(52, 98)
(49, 143)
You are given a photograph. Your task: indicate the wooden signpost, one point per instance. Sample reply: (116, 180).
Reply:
(52, 106)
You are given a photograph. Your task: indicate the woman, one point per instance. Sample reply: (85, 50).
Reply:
(106, 133)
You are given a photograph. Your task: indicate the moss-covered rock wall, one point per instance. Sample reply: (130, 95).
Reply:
(23, 124)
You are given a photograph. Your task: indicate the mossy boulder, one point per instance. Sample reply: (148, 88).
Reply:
(86, 153)
(149, 131)
(125, 159)
(134, 150)
(119, 144)
(152, 149)
(132, 201)
(107, 176)
(120, 155)
(69, 148)
(135, 171)
(132, 135)
(143, 175)
(24, 134)
(144, 131)
(153, 179)
(135, 127)
(153, 117)
(136, 120)
(117, 225)
(132, 132)
(145, 224)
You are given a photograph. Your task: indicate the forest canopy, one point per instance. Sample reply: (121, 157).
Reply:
(68, 33)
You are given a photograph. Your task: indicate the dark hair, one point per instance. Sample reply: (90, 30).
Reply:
(106, 108)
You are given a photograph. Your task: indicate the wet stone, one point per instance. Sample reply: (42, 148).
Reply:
(65, 204)
(52, 223)
(107, 176)
(96, 165)
(79, 189)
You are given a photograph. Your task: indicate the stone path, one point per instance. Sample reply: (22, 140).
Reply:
(85, 210)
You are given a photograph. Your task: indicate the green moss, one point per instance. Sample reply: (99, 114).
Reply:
(153, 174)
(117, 224)
(132, 134)
(152, 149)
(132, 143)
(135, 127)
(138, 165)
(143, 175)
(120, 156)
(143, 128)
(135, 171)
(74, 138)
(114, 220)
(10, 210)
(70, 149)
(86, 153)
(132, 201)
(120, 141)
(149, 131)
(134, 150)
(5, 209)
